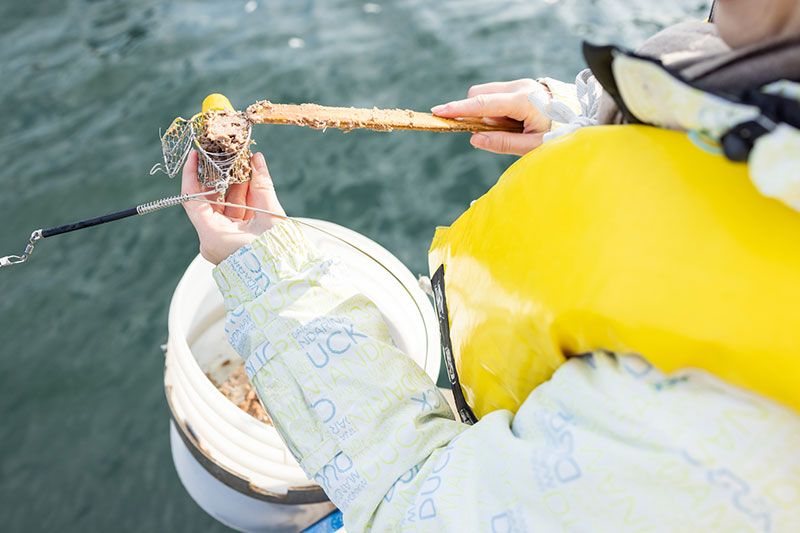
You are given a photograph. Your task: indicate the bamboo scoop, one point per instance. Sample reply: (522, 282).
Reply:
(350, 118)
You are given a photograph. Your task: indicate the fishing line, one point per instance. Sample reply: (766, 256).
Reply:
(337, 237)
(303, 223)
(312, 226)
(170, 201)
(157, 205)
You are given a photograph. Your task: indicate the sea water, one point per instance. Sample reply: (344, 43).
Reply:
(85, 87)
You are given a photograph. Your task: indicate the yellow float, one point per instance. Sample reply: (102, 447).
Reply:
(628, 239)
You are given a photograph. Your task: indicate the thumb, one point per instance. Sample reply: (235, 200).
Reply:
(261, 193)
(501, 142)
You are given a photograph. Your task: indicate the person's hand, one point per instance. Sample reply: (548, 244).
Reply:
(500, 102)
(223, 230)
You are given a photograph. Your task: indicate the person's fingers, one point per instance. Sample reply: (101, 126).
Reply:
(501, 121)
(200, 213)
(248, 213)
(513, 105)
(237, 194)
(189, 183)
(500, 87)
(501, 142)
(262, 192)
(214, 207)
(203, 188)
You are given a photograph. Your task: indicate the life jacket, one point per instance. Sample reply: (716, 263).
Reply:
(633, 239)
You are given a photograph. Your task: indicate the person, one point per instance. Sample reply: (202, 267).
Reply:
(608, 444)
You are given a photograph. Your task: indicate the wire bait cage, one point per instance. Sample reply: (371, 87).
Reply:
(220, 163)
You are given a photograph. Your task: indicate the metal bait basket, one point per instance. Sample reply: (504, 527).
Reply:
(216, 170)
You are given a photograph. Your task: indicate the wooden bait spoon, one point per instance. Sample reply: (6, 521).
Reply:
(351, 118)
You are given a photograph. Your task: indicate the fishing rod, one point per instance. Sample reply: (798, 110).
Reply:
(141, 209)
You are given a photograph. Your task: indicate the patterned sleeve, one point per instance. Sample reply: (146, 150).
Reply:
(359, 416)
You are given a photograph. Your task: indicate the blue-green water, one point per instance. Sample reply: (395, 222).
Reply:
(86, 84)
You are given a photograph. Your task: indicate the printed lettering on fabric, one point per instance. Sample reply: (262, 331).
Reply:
(554, 464)
(231, 300)
(510, 521)
(341, 357)
(270, 261)
(249, 268)
(378, 403)
(628, 413)
(316, 329)
(636, 365)
(242, 332)
(361, 311)
(386, 454)
(325, 409)
(342, 429)
(754, 506)
(286, 411)
(678, 473)
(387, 449)
(621, 499)
(670, 382)
(317, 274)
(425, 505)
(325, 338)
(363, 361)
(259, 357)
(317, 380)
(429, 400)
(341, 481)
(405, 479)
(740, 495)
(339, 427)
(266, 308)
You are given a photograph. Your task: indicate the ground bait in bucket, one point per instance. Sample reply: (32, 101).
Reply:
(238, 390)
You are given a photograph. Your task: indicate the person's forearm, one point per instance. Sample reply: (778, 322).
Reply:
(357, 414)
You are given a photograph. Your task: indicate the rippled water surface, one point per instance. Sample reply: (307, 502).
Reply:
(86, 84)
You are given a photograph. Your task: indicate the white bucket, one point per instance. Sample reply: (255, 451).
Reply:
(234, 466)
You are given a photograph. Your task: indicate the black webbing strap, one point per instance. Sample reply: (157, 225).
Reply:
(464, 410)
(711, 13)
